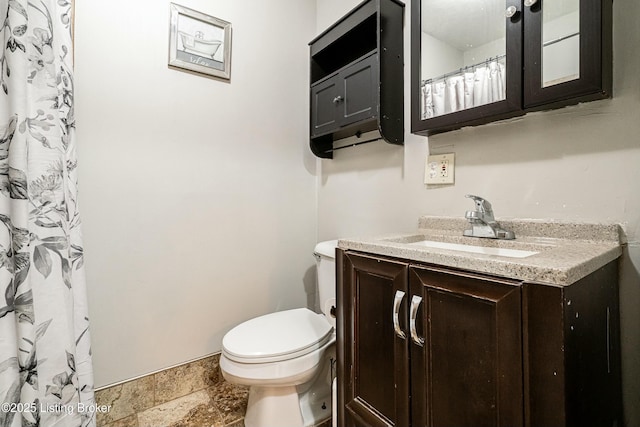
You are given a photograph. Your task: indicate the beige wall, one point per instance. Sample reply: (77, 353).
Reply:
(579, 163)
(198, 195)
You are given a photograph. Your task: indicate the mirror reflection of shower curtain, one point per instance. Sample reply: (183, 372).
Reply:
(478, 85)
(46, 374)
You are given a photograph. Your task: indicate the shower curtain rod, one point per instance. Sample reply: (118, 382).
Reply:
(496, 58)
(461, 70)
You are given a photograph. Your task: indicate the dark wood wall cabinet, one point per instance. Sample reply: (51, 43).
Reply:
(357, 78)
(497, 59)
(423, 345)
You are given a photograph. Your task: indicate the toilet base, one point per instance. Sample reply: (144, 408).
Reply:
(283, 407)
(305, 405)
(273, 407)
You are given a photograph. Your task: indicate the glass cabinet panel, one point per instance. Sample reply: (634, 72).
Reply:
(560, 42)
(479, 61)
(463, 61)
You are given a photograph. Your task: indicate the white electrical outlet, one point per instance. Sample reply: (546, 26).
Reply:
(440, 169)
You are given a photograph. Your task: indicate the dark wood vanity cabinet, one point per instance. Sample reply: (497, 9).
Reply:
(423, 345)
(543, 54)
(426, 346)
(357, 79)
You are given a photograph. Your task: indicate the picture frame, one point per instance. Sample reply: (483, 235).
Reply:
(198, 42)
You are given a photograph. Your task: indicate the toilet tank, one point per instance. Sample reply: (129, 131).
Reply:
(325, 253)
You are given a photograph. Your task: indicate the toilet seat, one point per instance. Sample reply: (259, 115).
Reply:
(277, 337)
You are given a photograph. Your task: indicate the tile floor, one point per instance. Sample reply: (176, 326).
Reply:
(190, 395)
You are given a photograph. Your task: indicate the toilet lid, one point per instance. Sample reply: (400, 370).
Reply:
(277, 336)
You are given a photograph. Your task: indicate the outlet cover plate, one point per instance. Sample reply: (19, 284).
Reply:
(440, 169)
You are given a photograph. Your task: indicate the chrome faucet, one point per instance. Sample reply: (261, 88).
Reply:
(482, 223)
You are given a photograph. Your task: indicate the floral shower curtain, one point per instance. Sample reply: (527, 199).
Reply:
(45, 362)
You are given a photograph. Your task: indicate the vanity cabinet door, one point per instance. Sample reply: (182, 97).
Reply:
(466, 349)
(373, 361)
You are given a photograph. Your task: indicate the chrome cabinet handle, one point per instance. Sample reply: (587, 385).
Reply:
(337, 99)
(530, 3)
(511, 11)
(413, 314)
(397, 300)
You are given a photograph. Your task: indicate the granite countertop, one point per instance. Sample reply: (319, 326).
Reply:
(563, 252)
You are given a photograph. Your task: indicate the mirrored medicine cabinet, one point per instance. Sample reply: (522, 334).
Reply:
(478, 61)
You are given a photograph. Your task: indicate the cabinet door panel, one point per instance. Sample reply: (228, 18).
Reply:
(323, 107)
(359, 83)
(567, 29)
(469, 371)
(374, 349)
(477, 81)
(375, 365)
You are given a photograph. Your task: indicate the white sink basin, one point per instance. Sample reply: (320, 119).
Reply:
(511, 253)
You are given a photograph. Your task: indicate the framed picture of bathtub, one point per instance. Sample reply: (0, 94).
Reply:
(199, 42)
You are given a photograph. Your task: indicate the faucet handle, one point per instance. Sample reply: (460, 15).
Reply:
(482, 205)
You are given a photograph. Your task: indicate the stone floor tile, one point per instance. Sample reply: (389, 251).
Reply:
(175, 410)
(125, 399)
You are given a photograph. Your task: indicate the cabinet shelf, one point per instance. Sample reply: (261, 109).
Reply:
(356, 77)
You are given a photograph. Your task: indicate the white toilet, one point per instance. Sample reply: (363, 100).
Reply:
(286, 357)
